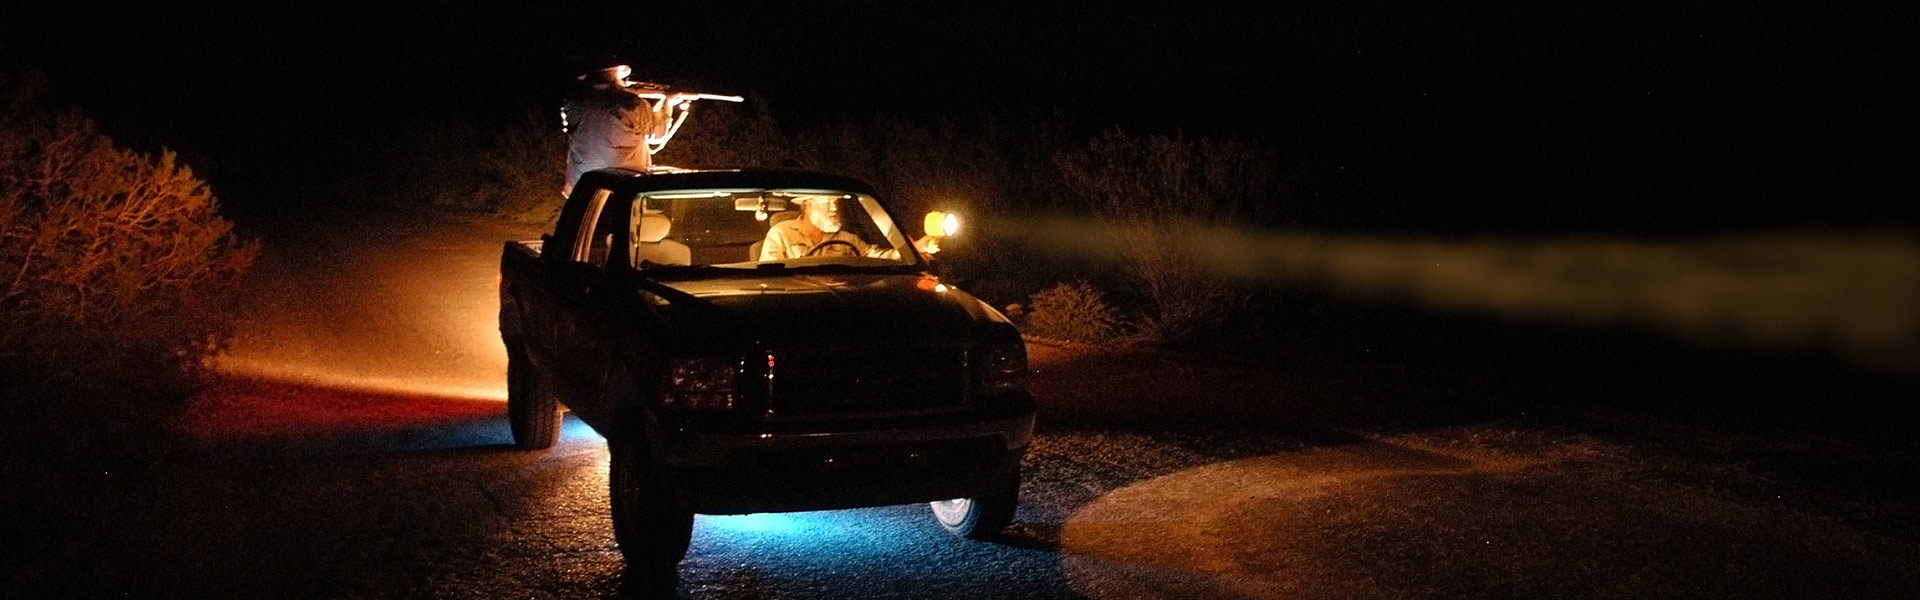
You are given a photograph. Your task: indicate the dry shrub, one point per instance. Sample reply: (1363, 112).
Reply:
(1156, 195)
(725, 134)
(522, 170)
(120, 280)
(514, 170)
(846, 146)
(433, 164)
(946, 165)
(982, 164)
(1073, 312)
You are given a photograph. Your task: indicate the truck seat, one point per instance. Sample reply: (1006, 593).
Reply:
(753, 252)
(650, 243)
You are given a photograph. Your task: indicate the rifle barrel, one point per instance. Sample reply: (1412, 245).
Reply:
(660, 96)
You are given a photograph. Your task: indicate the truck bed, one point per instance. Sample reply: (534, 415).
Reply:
(530, 247)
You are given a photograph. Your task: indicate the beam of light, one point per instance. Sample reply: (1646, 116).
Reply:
(755, 524)
(1854, 293)
(248, 367)
(281, 411)
(576, 430)
(799, 531)
(854, 532)
(358, 319)
(1420, 515)
(1233, 529)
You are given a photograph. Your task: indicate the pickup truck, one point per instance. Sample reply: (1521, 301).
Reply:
(731, 378)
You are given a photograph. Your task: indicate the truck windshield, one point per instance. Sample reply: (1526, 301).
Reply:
(763, 229)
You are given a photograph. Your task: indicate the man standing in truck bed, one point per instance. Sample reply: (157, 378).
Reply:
(609, 124)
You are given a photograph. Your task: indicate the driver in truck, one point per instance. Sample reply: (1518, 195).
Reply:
(819, 231)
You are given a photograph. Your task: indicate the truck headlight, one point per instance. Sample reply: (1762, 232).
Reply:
(1003, 368)
(700, 384)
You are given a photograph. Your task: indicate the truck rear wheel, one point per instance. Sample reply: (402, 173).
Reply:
(652, 530)
(979, 517)
(532, 412)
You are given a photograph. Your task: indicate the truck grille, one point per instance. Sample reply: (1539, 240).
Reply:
(842, 381)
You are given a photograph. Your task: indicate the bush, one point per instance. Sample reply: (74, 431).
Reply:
(1073, 312)
(120, 281)
(1157, 196)
(433, 164)
(724, 134)
(522, 171)
(513, 169)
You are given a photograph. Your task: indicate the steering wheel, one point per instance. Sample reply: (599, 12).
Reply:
(852, 250)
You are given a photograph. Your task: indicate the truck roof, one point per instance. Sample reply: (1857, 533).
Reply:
(758, 177)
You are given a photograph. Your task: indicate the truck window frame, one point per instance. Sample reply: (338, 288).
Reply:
(588, 225)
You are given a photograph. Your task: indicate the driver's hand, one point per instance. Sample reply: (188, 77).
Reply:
(928, 244)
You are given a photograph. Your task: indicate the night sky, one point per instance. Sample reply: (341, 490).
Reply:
(1536, 117)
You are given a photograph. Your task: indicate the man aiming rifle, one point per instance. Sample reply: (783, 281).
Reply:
(613, 122)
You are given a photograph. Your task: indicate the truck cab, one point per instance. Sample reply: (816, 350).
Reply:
(744, 351)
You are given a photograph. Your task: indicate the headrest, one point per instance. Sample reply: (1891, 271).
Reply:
(652, 228)
(782, 216)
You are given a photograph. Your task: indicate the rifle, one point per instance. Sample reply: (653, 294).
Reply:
(658, 92)
(663, 96)
(655, 91)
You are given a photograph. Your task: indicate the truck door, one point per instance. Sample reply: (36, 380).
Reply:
(584, 309)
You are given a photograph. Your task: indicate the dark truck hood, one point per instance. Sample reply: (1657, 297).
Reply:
(820, 310)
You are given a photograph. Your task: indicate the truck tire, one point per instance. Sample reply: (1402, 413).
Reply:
(980, 517)
(531, 410)
(652, 530)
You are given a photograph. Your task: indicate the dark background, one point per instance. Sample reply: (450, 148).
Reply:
(1539, 118)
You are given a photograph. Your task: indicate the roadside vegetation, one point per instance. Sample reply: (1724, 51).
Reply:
(120, 282)
(1073, 312)
(1158, 194)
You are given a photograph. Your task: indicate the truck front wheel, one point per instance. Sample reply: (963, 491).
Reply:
(651, 529)
(531, 409)
(979, 517)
